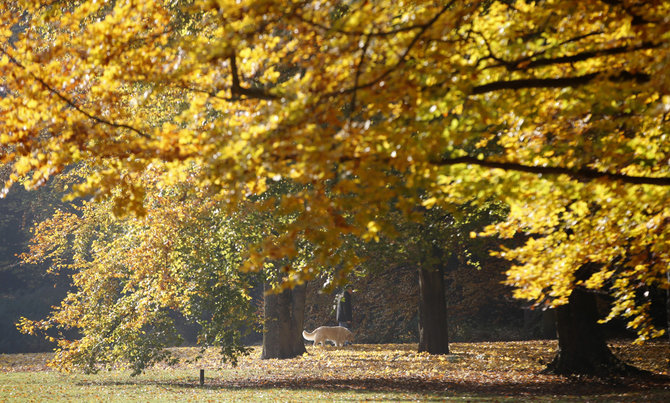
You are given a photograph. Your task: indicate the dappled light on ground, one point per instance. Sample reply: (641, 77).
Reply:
(474, 369)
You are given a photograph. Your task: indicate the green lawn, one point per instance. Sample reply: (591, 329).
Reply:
(173, 385)
(475, 371)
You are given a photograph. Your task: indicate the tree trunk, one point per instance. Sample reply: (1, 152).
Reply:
(667, 307)
(433, 337)
(284, 314)
(539, 324)
(582, 349)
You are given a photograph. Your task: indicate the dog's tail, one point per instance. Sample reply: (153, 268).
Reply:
(307, 335)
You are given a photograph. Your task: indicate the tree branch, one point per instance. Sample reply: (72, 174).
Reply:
(637, 19)
(212, 94)
(358, 74)
(561, 82)
(581, 173)
(423, 28)
(520, 61)
(237, 90)
(327, 28)
(525, 64)
(71, 103)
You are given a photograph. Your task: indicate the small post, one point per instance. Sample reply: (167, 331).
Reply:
(202, 377)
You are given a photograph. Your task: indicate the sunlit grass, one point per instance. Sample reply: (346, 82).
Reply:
(394, 372)
(170, 385)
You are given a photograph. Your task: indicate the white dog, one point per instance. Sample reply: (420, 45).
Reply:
(337, 334)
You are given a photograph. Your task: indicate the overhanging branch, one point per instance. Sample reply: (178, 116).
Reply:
(328, 28)
(70, 102)
(561, 82)
(423, 28)
(237, 90)
(581, 173)
(529, 63)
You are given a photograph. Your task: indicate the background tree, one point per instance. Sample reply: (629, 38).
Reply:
(436, 243)
(132, 276)
(20, 284)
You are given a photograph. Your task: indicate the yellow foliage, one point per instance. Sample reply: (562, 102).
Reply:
(559, 109)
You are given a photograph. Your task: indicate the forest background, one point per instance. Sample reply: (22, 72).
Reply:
(480, 306)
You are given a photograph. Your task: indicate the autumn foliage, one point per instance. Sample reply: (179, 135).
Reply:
(559, 109)
(133, 277)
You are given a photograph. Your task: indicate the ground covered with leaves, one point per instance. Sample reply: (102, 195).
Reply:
(474, 371)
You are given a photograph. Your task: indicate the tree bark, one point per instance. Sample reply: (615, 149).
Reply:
(433, 336)
(284, 314)
(582, 349)
(667, 307)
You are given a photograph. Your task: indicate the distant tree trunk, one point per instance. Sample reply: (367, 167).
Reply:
(581, 343)
(667, 305)
(284, 314)
(539, 323)
(433, 337)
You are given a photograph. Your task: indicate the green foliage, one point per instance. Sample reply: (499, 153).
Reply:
(132, 275)
(433, 237)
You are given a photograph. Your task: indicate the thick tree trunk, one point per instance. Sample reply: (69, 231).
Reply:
(581, 343)
(284, 314)
(433, 337)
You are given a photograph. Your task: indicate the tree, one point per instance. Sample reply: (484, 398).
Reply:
(283, 306)
(422, 245)
(284, 314)
(581, 343)
(193, 248)
(559, 109)
(433, 334)
(436, 243)
(133, 276)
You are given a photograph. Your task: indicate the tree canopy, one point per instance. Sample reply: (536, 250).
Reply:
(134, 276)
(557, 108)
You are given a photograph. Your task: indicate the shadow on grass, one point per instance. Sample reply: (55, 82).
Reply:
(558, 387)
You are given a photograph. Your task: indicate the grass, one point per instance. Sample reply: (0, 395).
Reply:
(505, 371)
(172, 385)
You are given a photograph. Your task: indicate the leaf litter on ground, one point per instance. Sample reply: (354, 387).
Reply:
(478, 369)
